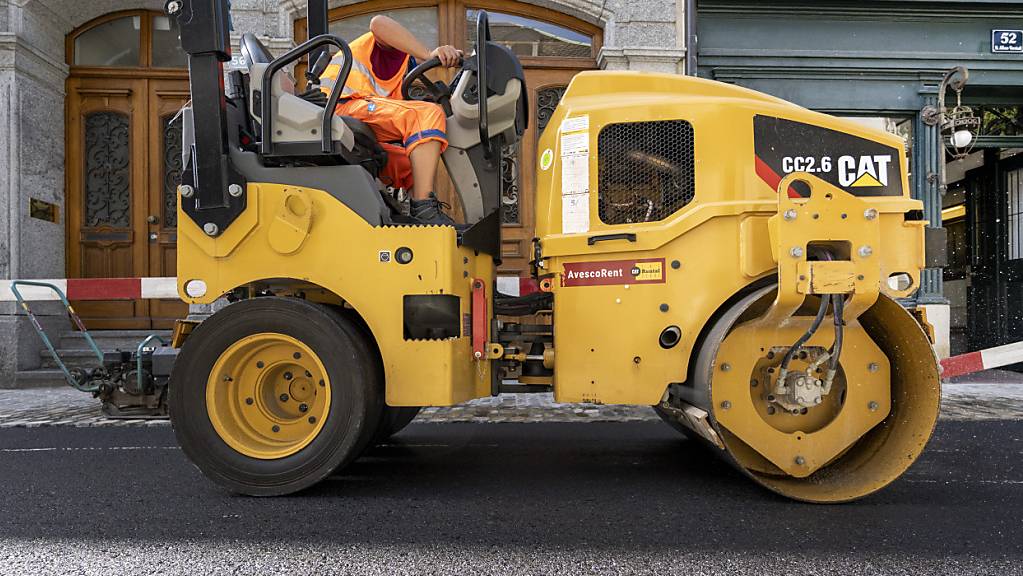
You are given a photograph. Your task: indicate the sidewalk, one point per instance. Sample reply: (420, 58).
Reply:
(990, 395)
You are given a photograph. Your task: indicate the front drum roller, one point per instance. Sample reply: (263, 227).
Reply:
(270, 395)
(854, 440)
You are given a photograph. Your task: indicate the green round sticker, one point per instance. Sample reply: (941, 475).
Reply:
(546, 159)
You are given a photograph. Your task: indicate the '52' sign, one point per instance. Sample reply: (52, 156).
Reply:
(1006, 41)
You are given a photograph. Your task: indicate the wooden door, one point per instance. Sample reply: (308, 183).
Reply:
(118, 177)
(518, 169)
(166, 97)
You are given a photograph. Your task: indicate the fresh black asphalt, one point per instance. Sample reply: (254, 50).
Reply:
(502, 498)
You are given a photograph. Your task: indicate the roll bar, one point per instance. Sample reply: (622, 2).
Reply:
(307, 47)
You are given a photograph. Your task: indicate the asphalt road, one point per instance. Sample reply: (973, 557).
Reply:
(622, 498)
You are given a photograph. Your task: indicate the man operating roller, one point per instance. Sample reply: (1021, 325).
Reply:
(381, 59)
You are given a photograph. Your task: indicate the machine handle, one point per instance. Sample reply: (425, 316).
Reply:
(605, 237)
(266, 114)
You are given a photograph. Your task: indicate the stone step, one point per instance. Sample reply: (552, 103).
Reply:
(108, 340)
(39, 378)
(72, 359)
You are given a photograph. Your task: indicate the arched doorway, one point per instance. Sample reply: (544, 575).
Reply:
(128, 79)
(553, 48)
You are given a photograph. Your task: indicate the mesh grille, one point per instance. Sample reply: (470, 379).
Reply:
(645, 170)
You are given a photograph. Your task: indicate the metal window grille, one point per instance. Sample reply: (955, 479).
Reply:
(645, 170)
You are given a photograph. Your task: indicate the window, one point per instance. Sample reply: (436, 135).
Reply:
(1014, 193)
(167, 52)
(112, 43)
(527, 37)
(421, 21)
(137, 39)
(645, 170)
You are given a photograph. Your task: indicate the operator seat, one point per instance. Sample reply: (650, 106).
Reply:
(293, 112)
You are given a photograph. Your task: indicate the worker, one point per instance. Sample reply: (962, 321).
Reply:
(410, 131)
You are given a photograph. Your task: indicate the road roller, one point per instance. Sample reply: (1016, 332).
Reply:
(741, 264)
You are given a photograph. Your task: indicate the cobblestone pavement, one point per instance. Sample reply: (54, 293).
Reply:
(987, 397)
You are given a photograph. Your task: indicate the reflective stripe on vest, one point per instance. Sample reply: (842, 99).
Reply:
(361, 80)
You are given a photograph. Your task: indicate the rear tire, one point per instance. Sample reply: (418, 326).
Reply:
(393, 420)
(226, 433)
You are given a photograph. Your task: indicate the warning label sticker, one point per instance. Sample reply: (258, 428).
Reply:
(611, 272)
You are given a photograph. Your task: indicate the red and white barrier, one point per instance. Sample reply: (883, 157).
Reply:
(167, 288)
(96, 289)
(982, 360)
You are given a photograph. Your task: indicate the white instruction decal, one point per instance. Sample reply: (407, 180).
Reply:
(576, 143)
(575, 214)
(577, 124)
(575, 175)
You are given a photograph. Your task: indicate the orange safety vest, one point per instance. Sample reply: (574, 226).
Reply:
(362, 82)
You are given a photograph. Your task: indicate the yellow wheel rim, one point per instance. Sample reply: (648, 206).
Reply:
(268, 395)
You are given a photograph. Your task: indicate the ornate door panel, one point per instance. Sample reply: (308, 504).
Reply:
(519, 169)
(105, 176)
(166, 97)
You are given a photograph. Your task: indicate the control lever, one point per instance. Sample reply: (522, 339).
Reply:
(312, 75)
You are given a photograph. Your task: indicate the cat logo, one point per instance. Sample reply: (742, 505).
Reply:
(864, 172)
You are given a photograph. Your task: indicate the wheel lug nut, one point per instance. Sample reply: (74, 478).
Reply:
(303, 408)
(312, 419)
(249, 401)
(308, 374)
(276, 428)
(288, 376)
(284, 397)
(322, 384)
(260, 364)
(296, 355)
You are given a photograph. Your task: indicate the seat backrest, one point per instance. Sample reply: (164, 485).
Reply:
(296, 121)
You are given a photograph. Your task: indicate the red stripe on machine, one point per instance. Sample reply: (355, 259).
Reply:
(770, 177)
(479, 319)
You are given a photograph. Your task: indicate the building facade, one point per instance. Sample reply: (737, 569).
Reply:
(882, 62)
(89, 92)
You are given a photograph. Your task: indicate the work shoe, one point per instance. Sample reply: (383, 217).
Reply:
(430, 211)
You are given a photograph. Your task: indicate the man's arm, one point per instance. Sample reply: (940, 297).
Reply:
(393, 35)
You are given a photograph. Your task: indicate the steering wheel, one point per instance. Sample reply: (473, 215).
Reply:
(436, 92)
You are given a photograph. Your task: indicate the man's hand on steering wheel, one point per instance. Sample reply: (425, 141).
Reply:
(449, 56)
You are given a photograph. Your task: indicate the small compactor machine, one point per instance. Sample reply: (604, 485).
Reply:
(735, 261)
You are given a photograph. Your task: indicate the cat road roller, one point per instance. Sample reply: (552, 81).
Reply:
(733, 260)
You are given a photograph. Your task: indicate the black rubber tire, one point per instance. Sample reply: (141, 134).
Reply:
(393, 420)
(356, 395)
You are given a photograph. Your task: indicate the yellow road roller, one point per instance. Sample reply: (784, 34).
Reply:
(733, 260)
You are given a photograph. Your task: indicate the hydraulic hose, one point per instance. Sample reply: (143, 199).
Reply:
(821, 312)
(836, 348)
